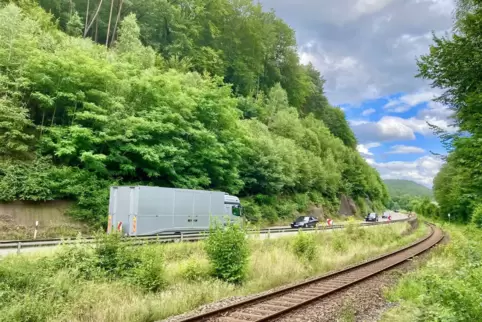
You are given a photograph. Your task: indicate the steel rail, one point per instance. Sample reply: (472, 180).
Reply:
(281, 307)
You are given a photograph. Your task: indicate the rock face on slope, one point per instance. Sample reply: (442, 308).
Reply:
(347, 206)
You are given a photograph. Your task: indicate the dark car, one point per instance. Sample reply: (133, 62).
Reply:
(371, 217)
(304, 222)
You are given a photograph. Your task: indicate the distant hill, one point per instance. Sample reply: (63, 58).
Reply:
(397, 188)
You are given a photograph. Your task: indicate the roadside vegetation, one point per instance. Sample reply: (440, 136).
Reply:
(114, 282)
(446, 288)
(214, 97)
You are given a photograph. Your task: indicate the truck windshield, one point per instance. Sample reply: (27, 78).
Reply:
(237, 211)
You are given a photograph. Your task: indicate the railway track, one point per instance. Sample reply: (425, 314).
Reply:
(274, 305)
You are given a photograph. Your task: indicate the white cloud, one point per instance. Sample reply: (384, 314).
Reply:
(394, 128)
(365, 48)
(388, 128)
(364, 149)
(407, 101)
(368, 111)
(422, 170)
(405, 149)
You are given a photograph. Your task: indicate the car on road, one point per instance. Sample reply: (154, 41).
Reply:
(304, 222)
(385, 215)
(371, 217)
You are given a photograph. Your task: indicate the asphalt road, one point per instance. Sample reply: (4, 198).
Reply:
(395, 216)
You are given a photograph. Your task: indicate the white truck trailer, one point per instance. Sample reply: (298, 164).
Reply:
(145, 210)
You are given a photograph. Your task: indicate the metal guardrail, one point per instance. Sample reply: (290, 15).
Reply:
(183, 236)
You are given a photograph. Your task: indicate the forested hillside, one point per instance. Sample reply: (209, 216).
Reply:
(397, 188)
(186, 94)
(408, 195)
(455, 65)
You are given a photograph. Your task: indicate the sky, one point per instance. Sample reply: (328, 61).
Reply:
(366, 50)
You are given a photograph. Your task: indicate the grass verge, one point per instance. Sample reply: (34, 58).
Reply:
(448, 287)
(82, 283)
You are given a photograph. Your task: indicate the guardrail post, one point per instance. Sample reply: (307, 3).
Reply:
(19, 245)
(182, 237)
(269, 233)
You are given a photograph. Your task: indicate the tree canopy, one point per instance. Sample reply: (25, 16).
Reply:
(187, 94)
(454, 65)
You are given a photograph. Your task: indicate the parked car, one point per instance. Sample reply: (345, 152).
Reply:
(385, 215)
(371, 217)
(304, 222)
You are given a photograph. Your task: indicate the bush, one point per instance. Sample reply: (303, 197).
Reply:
(304, 246)
(193, 270)
(477, 216)
(339, 242)
(148, 272)
(269, 213)
(251, 211)
(79, 260)
(228, 251)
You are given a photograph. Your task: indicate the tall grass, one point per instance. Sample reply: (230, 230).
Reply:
(448, 287)
(77, 283)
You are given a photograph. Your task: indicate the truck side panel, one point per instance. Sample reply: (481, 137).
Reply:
(119, 206)
(155, 210)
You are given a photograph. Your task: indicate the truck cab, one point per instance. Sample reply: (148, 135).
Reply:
(232, 208)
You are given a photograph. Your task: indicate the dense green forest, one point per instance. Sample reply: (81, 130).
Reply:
(188, 94)
(454, 65)
(406, 194)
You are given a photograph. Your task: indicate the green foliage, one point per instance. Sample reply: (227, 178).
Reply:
(405, 194)
(156, 107)
(449, 287)
(339, 242)
(453, 65)
(113, 259)
(477, 216)
(74, 25)
(228, 251)
(194, 271)
(304, 246)
(397, 188)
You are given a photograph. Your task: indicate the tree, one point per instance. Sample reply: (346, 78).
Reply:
(74, 25)
(454, 65)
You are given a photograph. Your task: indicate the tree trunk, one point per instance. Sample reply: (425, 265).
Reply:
(93, 18)
(86, 18)
(108, 25)
(116, 21)
(96, 28)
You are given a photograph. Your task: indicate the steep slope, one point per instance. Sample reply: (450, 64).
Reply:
(77, 117)
(397, 188)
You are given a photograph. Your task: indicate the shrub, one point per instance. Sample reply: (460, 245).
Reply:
(304, 246)
(251, 211)
(269, 213)
(228, 251)
(286, 209)
(193, 270)
(477, 216)
(302, 202)
(339, 243)
(148, 272)
(79, 260)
